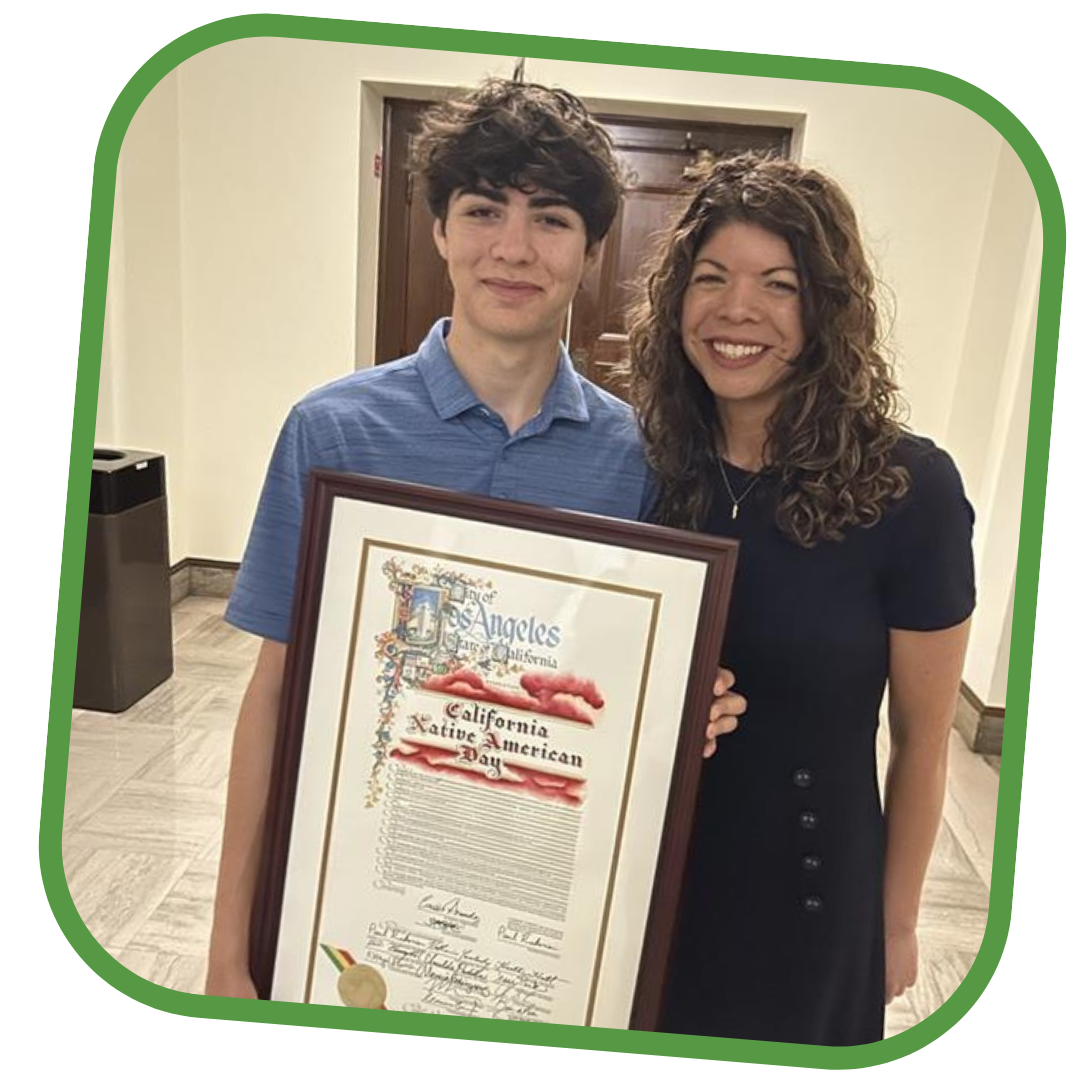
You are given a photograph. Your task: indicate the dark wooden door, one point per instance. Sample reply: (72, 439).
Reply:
(414, 288)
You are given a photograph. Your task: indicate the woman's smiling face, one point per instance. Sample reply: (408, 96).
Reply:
(742, 314)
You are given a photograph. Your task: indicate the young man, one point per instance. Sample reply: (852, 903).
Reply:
(524, 186)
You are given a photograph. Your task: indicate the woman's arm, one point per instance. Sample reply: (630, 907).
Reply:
(924, 680)
(727, 706)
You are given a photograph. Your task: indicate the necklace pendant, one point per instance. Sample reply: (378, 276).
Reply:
(734, 511)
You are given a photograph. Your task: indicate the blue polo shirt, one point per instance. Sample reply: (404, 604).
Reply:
(417, 420)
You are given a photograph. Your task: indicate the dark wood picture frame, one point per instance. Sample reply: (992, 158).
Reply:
(718, 557)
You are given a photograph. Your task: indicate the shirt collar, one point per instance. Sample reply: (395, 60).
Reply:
(451, 395)
(565, 398)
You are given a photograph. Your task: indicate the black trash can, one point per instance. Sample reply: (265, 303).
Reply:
(125, 630)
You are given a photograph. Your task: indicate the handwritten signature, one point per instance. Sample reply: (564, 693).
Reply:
(528, 939)
(451, 908)
(460, 980)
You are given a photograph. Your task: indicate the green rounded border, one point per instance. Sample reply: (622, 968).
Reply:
(1038, 447)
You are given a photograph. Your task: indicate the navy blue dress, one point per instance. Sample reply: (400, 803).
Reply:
(780, 935)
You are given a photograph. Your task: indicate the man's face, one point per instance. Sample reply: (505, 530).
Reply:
(515, 260)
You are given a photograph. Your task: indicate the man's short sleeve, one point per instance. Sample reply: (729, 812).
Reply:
(261, 602)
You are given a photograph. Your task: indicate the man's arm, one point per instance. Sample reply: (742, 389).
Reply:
(228, 974)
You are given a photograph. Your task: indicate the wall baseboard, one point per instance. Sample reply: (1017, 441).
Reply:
(202, 577)
(981, 726)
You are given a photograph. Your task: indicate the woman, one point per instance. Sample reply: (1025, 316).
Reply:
(769, 414)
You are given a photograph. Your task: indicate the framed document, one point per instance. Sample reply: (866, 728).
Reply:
(487, 764)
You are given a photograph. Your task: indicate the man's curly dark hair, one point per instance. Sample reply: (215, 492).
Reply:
(520, 135)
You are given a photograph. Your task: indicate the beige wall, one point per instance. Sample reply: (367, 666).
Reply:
(988, 423)
(247, 231)
(142, 400)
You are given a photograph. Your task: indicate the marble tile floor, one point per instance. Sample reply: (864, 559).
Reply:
(146, 796)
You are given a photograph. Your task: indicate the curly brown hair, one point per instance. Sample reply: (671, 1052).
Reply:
(830, 438)
(522, 135)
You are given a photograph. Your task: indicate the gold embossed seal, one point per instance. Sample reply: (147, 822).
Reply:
(359, 985)
(362, 987)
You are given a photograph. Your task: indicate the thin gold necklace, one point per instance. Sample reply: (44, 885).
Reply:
(731, 494)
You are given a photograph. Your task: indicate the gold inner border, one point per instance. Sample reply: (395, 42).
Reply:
(336, 772)
(646, 594)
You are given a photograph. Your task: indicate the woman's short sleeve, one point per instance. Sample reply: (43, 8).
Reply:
(929, 573)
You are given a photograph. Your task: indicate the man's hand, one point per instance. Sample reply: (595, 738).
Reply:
(235, 982)
(726, 709)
